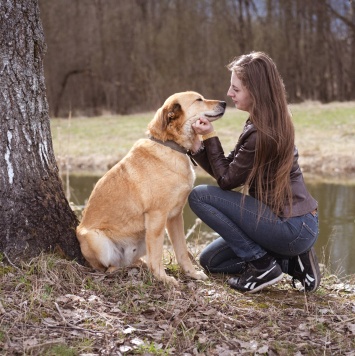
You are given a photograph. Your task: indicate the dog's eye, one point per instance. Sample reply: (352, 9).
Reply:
(199, 99)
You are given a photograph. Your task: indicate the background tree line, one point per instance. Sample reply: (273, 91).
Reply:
(125, 56)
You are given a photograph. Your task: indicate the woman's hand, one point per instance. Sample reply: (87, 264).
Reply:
(196, 144)
(202, 126)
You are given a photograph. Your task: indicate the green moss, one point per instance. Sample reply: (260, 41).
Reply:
(60, 350)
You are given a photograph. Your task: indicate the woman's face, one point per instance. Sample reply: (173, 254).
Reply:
(239, 94)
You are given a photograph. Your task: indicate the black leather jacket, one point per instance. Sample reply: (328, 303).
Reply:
(232, 171)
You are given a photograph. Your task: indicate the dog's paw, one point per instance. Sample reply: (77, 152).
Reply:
(167, 280)
(112, 269)
(171, 281)
(197, 275)
(201, 276)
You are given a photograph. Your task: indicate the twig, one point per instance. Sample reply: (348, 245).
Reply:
(13, 265)
(61, 314)
(2, 309)
(47, 343)
(67, 324)
(221, 333)
(193, 228)
(306, 301)
(347, 320)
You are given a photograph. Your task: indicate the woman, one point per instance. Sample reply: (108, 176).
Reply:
(271, 229)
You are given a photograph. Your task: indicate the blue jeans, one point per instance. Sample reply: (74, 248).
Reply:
(246, 236)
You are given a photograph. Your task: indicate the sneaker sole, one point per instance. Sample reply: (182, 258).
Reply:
(316, 272)
(269, 283)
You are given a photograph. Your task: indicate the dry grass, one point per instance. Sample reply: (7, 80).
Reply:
(325, 136)
(50, 306)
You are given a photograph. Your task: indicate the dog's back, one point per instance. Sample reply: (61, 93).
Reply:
(148, 178)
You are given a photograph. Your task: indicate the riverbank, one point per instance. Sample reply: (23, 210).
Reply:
(325, 137)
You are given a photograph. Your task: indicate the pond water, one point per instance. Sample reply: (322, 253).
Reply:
(336, 243)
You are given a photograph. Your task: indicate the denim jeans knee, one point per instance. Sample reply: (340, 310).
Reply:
(218, 257)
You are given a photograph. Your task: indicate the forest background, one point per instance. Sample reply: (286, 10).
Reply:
(125, 56)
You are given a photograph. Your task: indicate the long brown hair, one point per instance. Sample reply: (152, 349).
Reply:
(271, 117)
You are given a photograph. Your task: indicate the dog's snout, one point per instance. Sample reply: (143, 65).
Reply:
(223, 104)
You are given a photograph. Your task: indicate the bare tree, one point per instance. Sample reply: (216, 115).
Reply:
(128, 55)
(34, 213)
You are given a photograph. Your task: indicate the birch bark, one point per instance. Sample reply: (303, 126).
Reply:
(35, 216)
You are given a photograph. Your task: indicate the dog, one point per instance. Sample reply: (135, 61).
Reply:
(143, 195)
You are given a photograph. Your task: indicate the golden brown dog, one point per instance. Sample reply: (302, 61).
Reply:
(144, 194)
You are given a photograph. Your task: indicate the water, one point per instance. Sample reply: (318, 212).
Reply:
(336, 242)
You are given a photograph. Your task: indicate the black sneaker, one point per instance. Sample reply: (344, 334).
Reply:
(253, 279)
(306, 270)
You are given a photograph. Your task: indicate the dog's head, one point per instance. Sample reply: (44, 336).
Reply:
(173, 121)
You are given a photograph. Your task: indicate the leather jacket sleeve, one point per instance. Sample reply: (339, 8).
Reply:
(229, 171)
(232, 171)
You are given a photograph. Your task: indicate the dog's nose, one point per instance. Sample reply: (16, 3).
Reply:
(223, 104)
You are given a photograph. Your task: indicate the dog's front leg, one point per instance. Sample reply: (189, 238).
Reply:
(175, 227)
(155, 223)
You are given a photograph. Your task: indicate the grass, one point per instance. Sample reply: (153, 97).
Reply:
(326, 131)
(325, 136)
(50, 306)
(105, 138)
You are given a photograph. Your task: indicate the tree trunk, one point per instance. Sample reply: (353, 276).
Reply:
(35, 216)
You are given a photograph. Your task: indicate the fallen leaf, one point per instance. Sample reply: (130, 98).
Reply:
(129, 330)
(75, 298)
(62, 299)
(93, 298)
(49, 321)
(30, 342)
(209, 312)
(125, 348)
(136, 341)
(351, 327)
(263, 350)
(133, 272)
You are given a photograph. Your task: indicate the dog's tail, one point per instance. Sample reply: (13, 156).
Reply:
(98, 249)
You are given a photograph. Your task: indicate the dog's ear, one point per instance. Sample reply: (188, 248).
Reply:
(163, 117)
(170, 113)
